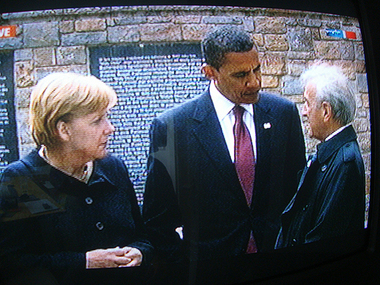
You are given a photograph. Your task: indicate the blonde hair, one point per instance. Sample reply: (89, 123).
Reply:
(62, 96)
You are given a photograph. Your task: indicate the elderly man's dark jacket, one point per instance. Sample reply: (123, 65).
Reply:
(192, 181)
(330, 197)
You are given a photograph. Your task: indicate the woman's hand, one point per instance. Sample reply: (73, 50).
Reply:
(113, 257)
(134, 255)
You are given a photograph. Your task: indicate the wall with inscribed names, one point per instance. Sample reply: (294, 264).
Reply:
(85, 40)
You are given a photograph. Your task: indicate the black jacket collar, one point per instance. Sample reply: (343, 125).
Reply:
(327, 148)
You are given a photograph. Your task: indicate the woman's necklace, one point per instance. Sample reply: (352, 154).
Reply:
(83, 176)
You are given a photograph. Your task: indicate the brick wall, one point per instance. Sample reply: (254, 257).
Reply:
(288, 42)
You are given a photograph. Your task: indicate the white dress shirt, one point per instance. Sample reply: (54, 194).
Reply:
(224, 111)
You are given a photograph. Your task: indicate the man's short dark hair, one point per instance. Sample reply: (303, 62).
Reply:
(223, 40)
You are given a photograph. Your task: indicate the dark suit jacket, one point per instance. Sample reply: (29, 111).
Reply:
(192, 181)
(330, 197)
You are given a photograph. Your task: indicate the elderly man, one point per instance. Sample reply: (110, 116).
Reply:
(330, 197)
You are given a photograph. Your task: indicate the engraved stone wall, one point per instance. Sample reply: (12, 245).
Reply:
(8, 149)
(66, 39)
(148, 79)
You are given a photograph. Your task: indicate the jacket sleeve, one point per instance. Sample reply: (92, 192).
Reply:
(141, 240)
(161, 213)
(22, 245)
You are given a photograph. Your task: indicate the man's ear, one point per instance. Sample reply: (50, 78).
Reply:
(208, 71)
(327, 111)
(63, 131)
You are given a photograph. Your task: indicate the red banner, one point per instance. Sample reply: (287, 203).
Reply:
(7, 32)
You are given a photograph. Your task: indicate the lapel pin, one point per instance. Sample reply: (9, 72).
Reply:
(267, 126)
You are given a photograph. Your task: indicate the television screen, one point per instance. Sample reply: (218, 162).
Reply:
(150, 53)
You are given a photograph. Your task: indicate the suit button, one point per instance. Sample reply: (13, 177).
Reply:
(100, 226)
(324, 167)
(305, 208)
(89, 200)
(294, 242)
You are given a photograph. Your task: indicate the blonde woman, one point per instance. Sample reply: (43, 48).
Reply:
(99, 224)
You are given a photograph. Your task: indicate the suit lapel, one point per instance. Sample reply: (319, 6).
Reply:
(209, 134)
(305, 170)
(300, 195)
(264, 124)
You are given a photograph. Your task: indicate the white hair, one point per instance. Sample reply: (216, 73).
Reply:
(332, 86)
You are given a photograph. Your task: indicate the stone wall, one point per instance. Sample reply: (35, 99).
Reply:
(288, 42)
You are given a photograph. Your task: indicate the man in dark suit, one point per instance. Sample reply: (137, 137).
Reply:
(193, 184)
(330, 197)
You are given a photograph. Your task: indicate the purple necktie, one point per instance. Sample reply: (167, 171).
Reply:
(244, 162)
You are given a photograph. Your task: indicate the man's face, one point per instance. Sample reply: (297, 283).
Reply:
(314, 114)
(239, 78)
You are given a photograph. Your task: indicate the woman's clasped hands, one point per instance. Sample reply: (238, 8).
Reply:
(113, 257)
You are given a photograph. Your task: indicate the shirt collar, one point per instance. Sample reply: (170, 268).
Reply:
(336, 132)
(86, 173)
(223, 106)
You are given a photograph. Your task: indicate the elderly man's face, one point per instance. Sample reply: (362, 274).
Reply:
(239, 78)
(314, 114)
